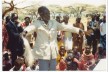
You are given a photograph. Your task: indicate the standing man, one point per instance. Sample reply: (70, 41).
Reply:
(58, 19)
(103, 32)
(46, 49)
(67, 35)
(93, 39)
(77, 38)
(15, 43)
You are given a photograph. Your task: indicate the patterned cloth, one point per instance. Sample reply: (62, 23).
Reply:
(5, 37)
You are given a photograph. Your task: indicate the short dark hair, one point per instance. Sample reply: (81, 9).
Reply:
(7, 19)
(41, 9)
(26, 17)
(13, 16)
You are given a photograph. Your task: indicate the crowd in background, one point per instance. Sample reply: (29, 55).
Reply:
(76, 52)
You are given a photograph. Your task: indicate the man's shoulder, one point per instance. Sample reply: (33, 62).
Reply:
(9, 24)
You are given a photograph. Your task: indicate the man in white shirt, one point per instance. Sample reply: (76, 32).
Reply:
(45, 48)
(67, 35)
(103, 32)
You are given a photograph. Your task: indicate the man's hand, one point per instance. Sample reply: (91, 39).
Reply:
(81, 32)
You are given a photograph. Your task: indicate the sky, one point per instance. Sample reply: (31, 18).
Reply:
(58, 2)
(69, 2)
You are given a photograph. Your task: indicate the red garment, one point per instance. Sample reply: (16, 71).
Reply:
(86, 60)
(96, 56)
(5, 37)
(23, 25)
(62, 65)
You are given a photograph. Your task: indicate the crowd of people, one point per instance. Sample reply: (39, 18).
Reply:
(57, 44)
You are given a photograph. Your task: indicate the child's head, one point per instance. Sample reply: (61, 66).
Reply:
(62, 51)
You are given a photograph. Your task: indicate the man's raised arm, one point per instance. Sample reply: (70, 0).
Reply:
(69, 28)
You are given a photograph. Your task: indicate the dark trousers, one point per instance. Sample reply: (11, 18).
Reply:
(92, 41)
(103, 40)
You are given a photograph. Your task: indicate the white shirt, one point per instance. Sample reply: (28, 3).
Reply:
(103, 28)
(68, 39)
(46, 42)
(67, 34)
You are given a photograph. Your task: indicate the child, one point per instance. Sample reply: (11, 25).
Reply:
(76, 54)
(71, 64)
(61, 59)
(87, 61)
(62, 53)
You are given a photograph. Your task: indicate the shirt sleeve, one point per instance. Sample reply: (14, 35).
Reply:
(69, 28)
(31, 28)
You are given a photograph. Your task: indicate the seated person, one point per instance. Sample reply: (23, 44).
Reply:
(87, 61)
(61, 59)
(71, 64)
(76, 54)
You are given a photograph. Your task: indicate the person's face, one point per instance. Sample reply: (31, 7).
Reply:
(45, 15)
(15, 18)
(104, 19)
(88, 50)
(58, 38)
(27, 20)
(78, 20)
(58, 19)
(66, 19)
(62, 52)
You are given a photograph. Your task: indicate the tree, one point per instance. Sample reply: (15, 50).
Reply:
(8, 9)
(10, 6)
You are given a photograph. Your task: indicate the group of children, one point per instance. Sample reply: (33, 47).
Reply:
(73, 60)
